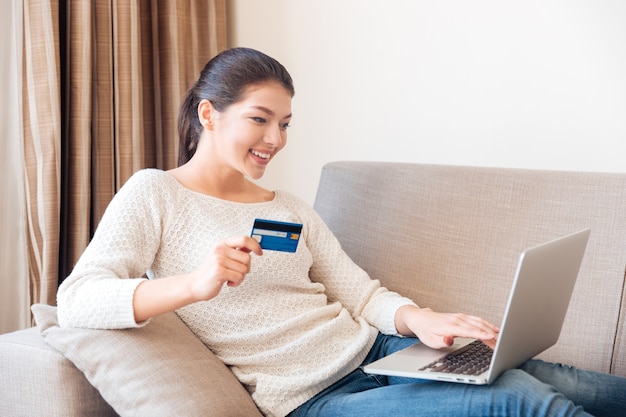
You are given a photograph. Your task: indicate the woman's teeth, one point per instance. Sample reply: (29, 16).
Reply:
(260, 155)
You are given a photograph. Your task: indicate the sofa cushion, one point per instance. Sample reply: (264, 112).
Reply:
(160, 369)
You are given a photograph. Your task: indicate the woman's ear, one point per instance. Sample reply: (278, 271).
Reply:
(206, 114)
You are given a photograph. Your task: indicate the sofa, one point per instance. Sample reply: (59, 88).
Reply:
(449, 237)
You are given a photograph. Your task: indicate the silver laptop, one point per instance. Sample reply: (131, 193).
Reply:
(532, 321)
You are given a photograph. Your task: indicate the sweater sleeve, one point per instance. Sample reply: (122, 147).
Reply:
(99, 291)
(345, 281)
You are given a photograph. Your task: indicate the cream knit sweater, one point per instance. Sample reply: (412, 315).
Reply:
(298, 323)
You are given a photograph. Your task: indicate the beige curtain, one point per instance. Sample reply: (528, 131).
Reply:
(14, 286)
(42, 139)
(102, 84)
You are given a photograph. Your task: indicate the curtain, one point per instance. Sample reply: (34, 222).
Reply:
(41, 129)
(129, 64)
(15, 292)
(102, 85)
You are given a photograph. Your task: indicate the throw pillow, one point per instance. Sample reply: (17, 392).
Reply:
(161, 369)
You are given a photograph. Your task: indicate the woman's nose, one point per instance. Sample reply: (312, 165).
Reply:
(275, 137)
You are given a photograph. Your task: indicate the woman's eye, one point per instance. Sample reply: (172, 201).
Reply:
(284, 126)
(259, 119)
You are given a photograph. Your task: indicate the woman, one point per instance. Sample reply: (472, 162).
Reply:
(293, 327)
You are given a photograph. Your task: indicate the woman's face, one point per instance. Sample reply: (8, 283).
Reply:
(250, 132)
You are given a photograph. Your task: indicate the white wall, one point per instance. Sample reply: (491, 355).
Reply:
(534, 84)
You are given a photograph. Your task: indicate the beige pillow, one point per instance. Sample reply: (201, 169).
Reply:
(161, 369)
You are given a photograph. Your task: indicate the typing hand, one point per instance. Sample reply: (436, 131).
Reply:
(438, 330)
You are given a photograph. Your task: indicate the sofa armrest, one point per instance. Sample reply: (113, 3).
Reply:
(37, 380)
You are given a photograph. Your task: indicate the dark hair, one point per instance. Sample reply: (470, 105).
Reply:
(223, 82)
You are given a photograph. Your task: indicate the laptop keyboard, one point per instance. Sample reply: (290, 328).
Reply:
(473, 359)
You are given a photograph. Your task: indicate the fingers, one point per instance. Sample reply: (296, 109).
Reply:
(233, 258)
(491, 343)
(244, 244)
(440, 329)
(476, 327)
(472, 327)
(228, 262)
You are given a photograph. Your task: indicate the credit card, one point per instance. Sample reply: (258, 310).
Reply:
(275, 235)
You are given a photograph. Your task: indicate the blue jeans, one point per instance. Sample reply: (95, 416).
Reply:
(535, 389)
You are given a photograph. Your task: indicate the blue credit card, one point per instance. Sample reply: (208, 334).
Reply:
(274, 235)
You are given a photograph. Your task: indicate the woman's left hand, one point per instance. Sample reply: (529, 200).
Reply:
(438, 330)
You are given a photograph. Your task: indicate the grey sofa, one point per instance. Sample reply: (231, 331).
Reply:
(447, 236)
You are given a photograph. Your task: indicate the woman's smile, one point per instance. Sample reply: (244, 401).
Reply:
(260, 157)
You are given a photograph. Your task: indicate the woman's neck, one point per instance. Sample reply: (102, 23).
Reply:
(222, 184)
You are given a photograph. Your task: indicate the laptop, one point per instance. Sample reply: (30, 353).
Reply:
(532, 321)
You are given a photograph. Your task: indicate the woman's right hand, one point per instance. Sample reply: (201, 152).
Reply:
(227, 262)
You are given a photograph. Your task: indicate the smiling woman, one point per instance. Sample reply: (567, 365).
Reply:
(223, 82)
(254, 127)
(295, 327)
(232, 122)
(236, 144)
